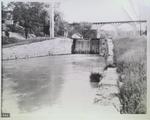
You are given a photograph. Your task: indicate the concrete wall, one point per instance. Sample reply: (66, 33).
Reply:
(89, 46)
(48, 47)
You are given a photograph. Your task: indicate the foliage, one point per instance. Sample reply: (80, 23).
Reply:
(84, 29)
(130, 57)
(30, 15)
(17, 29)
(95, 77)
(6, 40)
(34, 18)
(60, 25)
(3, 13)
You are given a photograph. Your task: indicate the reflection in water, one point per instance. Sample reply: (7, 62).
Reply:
(94, 84)
(50, 80)
(95, 78)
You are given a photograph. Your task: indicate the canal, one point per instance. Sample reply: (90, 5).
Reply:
(50, 85)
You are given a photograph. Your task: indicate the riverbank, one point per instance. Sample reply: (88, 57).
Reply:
(55, 46)
(124, 84)
(107, 93)
(130, 59)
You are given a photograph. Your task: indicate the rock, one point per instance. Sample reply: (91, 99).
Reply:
(110, 77)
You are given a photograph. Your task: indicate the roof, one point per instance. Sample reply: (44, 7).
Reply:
(77, 36)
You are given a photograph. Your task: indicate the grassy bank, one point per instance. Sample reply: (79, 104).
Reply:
(130, 58)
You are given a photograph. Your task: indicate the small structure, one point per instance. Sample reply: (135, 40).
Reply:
(77, 36)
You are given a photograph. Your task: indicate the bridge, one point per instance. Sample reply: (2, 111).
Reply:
(137, 26)
(119, 22)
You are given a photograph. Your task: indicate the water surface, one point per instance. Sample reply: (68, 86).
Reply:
(53, 84)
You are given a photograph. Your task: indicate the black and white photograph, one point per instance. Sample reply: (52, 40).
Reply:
(74, 59)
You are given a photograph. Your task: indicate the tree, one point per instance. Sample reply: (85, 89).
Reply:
(84, 29)
(29, 15)
(3, 13)
(61, 26)
(34, 17)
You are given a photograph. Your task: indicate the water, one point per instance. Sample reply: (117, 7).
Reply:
(54, 84)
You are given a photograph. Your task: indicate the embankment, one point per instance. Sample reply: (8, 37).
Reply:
(130, 58)
(55, 46)
(107, 94)
(125, 87)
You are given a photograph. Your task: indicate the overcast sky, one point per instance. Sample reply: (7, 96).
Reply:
(103, 10)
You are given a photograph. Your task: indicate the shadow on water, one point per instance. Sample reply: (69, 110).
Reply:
(94, 84)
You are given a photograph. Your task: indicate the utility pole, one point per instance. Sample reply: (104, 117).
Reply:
(51, 28)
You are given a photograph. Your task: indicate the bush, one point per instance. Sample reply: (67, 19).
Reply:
(6, 40)
(133, 90)
(17, 29)
(130, 58)
(95, 77)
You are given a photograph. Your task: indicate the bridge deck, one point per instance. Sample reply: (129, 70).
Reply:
(116, 22)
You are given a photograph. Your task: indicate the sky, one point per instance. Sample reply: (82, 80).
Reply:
(103, 10)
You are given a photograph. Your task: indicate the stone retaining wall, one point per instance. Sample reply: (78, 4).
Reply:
(48, 47)
(107, 94)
